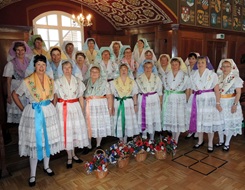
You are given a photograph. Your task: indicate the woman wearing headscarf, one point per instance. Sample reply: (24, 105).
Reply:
(163, 65)
(91, 49)
(56, 60)
(126, 56)
(69, 50)
(19, 57)
(125, 92)
(69, 105)
(230, 85)
(99, 106)
(115, 48)
(39, 132)
(106, 59)
(82, 64)
(203, 107)
(176, 94)
(139, 51)
(149, 100)
(37, 45)
(148, 56)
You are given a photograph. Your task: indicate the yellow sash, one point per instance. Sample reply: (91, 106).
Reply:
(39, 92)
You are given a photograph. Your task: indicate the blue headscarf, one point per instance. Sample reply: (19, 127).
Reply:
(141, 67)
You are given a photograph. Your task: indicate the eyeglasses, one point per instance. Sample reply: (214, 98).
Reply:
(226, 66)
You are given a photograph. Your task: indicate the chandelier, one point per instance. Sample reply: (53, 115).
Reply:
(82, 20)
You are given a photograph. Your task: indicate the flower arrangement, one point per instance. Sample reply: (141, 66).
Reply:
(138, 145)
(117, 151)
(170, 145)
(159, 145)
(98, 163)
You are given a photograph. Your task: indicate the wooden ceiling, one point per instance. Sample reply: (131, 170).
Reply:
(124, 13)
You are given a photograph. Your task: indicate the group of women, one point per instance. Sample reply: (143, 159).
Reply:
(114, 91)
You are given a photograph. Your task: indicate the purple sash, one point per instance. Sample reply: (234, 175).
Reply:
(193, 119)
(143, 106)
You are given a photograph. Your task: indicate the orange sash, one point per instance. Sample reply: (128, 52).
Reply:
(228, 95)
(65, 112)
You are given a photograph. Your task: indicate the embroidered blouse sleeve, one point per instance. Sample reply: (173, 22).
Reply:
(21, 89)
(107, 89)
(159, 86)
(215, 79)
(8, 70)
(135, 89)
(238, 83)
(187, 82)
(56, 84)
(112, 87)
(82, 88)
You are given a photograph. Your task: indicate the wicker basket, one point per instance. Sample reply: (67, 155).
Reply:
(123, 161)
(101, 174)
(141, 156)
(160, 155)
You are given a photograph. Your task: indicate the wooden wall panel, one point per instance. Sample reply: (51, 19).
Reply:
(191, 42)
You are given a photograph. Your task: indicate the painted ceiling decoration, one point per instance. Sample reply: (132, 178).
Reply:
(4, 3)
(121, 13)
(126, 13)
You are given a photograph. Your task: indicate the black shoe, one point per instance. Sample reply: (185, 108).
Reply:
(49, 173)
(226, 148)
(77, 160)
(86, 150)
(196, 146)
(210, 149)
(69, 165)
(219, 144)
(33, 183)
(189, 135)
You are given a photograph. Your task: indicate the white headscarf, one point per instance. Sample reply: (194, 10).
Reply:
(234, 68)
(182, 64)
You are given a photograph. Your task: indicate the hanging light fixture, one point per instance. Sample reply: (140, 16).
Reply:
(82, 20)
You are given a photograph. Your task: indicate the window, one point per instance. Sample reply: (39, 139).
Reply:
(55, 27)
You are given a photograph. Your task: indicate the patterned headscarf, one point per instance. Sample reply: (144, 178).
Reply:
(234, 68)
(146, 44)
(32, 40)
(12, 53)
(99, 55)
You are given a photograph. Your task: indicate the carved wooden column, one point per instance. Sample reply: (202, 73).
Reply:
(175, 38)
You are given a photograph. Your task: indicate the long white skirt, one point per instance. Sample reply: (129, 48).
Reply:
(208, 117)
(174, 118)
(99, 117)
(76, 129)
(131, 126)
(152, 113)
(27, 136)
(232, 121)
(13, 112)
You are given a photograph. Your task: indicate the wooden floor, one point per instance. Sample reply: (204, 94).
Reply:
(190, 169)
